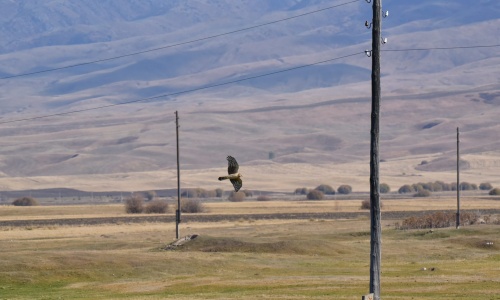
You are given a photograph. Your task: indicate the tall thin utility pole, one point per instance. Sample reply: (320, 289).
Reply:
(375, 216)
(178, 211)
(458, 178)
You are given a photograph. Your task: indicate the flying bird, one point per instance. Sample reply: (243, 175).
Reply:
(233, 175)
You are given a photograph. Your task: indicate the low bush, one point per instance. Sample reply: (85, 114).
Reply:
(157, 207)
(344, 189)
(384, 188)
(25, 201)
(325, 189)
(422, 193)
(263, 198)
(406, 189)
(301, 191)
(315, 195)
(485, 186)
(247, 193)
(134, 204)
(365, 204)
(495, 192)
(236, 196)
(192, 206)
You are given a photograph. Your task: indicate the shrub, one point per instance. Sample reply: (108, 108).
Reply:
(384, 188)
(344, 189)
(236, 196)
(406, 189)
(301, 191)
(192, 206)
(134, 204)
(25, 201)
(247, 193)
(315, 195)
(365, 204)
(422, 193)
(485, 186)
(263, 198)
(219, 193)
(150, 195)
(495, 192)
(465, 186)
(325, 189)
(157, 207)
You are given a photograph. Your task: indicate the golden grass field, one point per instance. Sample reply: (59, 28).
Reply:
(246, 259)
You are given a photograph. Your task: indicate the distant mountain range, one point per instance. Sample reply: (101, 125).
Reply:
(194, 44)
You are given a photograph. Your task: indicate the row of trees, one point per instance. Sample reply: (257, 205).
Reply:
(424, 189)
(321, 190)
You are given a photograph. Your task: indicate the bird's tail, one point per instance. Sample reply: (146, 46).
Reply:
(222, 177)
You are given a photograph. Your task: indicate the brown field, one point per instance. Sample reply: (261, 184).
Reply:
(246, 258)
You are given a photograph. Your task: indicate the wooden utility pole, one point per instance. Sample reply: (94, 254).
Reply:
(178, 211)
(458, 179)
(375, 216)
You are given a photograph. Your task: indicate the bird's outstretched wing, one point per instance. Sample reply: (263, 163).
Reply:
(237, 184)
(232, 165)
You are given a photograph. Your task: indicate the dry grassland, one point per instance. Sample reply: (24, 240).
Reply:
(245, 259)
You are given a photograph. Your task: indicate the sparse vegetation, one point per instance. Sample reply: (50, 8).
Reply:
(344, 189)
(384, 188)
(200, 193)
(157, 207)
(236, 196)
(134, 204)
(315, 195)
(325, 189)
(219, 193)
(438, 220)
(192, 206)
(494, 192)
(25, 201)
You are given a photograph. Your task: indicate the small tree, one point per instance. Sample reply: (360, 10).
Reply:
(485, 186)
(495, 192)
(406, 189)
(315, 195)
(236, 196)
(344, 189)
(25, 201)
(157, 207)
(219, 193)
(134, 204)
(325, 189)
(384, 188)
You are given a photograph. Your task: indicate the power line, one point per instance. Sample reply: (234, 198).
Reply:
(441, 48)
(181, 92)
(179, 44)
(240, 80)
